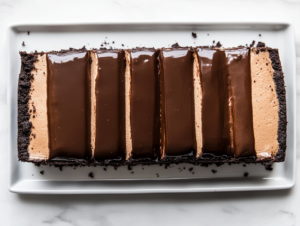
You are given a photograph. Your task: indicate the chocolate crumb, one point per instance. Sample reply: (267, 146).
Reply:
(129, 167)
(104, 169)
(60, 168)
(90, 60)
(246, 174)
(42, 172)
(194, 35)
(191, 169)
(91, 175)
(252, 44)
(113, 42)
(157, 175)
(23, 44)
(218, 44)
(132, 172)
(268, 167)
(259, 35)
(175, 45)
(28, 32)
(142, 168)
(207, 34)
(115, 167)
(214, 171)
(244, 165)
(122, 44)
(261, 44)
(167, 165)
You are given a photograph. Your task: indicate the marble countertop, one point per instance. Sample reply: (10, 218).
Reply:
(231, 208)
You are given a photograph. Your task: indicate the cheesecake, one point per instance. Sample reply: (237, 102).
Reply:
(151, 106)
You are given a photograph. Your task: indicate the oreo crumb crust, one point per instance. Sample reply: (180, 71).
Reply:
(91, 175)
(278, 78)
(194, 35)
(24, 125)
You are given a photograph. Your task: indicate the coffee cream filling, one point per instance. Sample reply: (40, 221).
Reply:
(94, 75)
(38, 147)
(265, 105)
(197, 105)
(128, 138)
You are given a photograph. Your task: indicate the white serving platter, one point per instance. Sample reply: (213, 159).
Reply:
(26, 178)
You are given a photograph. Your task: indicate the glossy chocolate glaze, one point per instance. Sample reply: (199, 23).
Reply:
(238, 68)
(110, 106)
(226, 105)
(215, 110)
(177, 102)
(144, 104)
(68, 114)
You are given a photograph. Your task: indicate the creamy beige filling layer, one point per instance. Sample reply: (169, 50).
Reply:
(128, 138)
(38, 147)
(197, 105)
(94, 74)
(265, 106)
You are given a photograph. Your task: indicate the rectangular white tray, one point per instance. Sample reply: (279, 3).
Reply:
(26, 178)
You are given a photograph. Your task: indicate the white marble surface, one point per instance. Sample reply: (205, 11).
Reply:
(239, 208)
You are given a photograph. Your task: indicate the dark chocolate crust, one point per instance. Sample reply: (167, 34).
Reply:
(278, 78)
(24, 125)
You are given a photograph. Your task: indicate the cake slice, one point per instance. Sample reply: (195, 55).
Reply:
(268, 104)
(178, 140)
(108, 105)
(53, 117)
(142, 105)
(68, 104)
